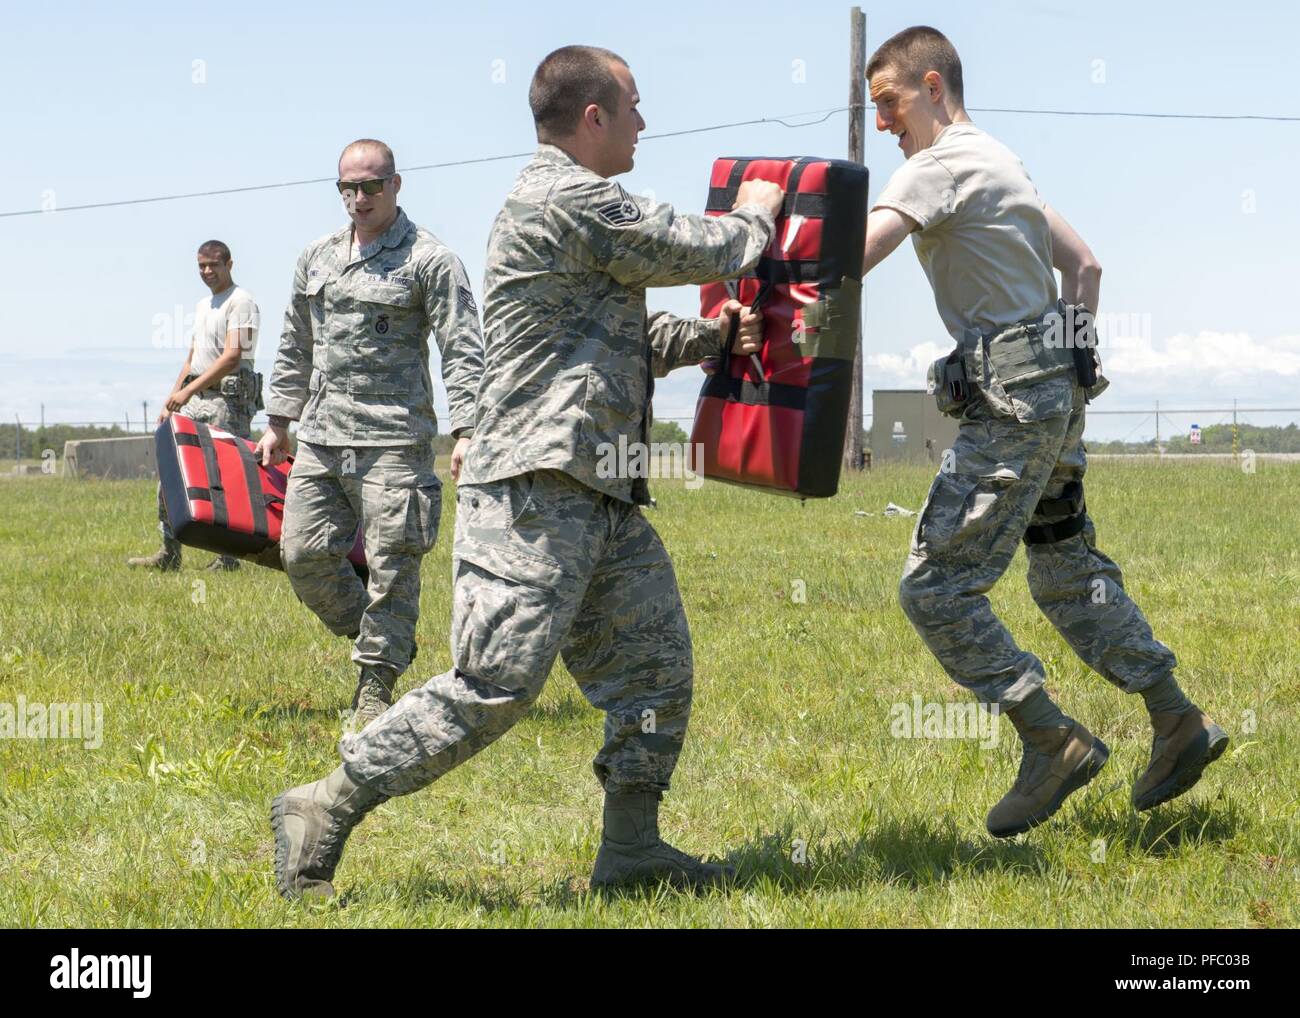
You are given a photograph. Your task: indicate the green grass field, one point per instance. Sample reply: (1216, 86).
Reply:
(219, 691)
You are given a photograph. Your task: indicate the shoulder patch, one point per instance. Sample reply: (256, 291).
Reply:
(466, 297)
(622, 211)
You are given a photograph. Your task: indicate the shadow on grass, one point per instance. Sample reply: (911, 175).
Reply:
(914, 851)
(920, 850)
(489, 895)
(1167, 828)
(330, 710)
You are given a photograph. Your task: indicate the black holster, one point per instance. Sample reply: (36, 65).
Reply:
(1085, 361)
(1083, 343)
(954, 377)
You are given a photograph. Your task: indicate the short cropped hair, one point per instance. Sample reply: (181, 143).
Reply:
(566, 82)
(916, 51)
(386, 153)
(216, 248)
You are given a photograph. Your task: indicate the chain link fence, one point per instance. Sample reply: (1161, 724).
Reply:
(1227, 430)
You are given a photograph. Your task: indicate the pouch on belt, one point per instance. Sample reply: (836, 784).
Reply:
(946, 381)
(1028, 370)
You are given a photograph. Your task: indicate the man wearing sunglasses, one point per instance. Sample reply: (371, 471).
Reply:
(553, 557)
(353, 370)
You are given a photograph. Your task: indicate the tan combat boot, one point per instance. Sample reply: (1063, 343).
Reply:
(1056, 762)
(1182, 746)
(631, 851)
(163, 560)
(311, 825)
(374, 695)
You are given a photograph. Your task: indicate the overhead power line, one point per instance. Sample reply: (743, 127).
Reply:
(1149, 116)
(784, 121)
(821, 116)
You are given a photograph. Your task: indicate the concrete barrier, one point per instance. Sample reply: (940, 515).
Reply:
(114, 458)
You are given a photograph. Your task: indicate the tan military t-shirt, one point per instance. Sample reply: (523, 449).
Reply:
(983, 238)
(214, 316)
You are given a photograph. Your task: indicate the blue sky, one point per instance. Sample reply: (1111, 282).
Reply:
(1193, 221)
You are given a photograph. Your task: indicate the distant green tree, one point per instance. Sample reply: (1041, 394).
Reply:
(1215, 438)
(664, 432)
(52, 436)
(1218, 438)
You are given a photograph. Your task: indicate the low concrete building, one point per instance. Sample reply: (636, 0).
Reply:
(906, 426)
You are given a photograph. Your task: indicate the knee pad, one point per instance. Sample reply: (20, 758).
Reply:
(1071, 501)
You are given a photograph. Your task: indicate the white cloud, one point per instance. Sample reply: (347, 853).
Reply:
(1231, 362)
(1202, 369)
(892, 371)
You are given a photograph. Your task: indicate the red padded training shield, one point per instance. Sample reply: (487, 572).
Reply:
(218, 494)
(783, 428)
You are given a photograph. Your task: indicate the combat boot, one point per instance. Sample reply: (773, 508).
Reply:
(1183, 744)
(163, 560)
(374, 695)
(631, 851)
(311, 825)
(1057, 760)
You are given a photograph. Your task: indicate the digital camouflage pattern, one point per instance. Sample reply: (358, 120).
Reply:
(570, 352)
(353, 362)
(353, 366)
(545, 566)
(330, 492)
(1013, 450)
(550, 558)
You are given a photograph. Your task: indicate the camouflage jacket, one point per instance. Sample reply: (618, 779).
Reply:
(570, 355)
(353, 363)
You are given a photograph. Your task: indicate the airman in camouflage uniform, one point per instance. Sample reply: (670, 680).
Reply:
(1019, 380)
(552, 558)
(353, 370)
(217, 384)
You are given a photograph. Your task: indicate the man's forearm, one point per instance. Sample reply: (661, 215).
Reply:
(221, 367)
(886, 229)
(185, 372)
(1079, 268)
(678, 342)
(673, 250)
(1082, 285)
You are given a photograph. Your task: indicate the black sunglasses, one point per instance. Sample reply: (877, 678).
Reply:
(370, 187)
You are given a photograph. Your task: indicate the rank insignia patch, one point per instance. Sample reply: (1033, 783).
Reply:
(621, 212)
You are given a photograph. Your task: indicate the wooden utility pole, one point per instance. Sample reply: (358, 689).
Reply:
(853, 451)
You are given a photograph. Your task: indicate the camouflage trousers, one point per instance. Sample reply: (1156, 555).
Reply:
(224, 412)
(985, 496)
(544, 567)
(393, 493)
